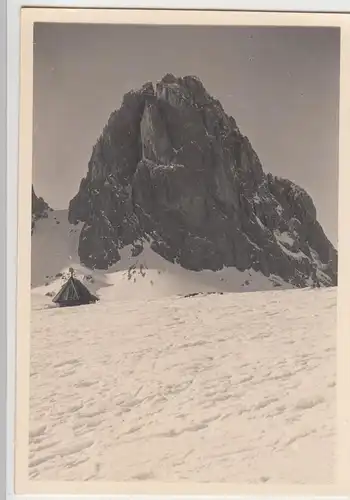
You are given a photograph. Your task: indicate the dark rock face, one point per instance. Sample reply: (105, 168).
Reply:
(40, 208)
(172, 168)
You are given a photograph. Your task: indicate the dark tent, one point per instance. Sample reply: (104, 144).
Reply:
(74, 293)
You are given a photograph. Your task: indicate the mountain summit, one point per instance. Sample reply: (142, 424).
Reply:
(173, 169)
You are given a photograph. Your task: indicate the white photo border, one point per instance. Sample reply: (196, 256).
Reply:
(3, 336)
(8, 183)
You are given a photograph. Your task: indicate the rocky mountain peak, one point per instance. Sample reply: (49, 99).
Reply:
(40, 208)
(171, 167)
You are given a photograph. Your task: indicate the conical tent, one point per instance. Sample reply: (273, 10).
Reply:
(74, 293)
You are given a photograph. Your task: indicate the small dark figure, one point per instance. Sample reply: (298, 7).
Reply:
(316, 284)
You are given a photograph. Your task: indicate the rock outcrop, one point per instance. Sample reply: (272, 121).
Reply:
(40, 208)
(172, 167)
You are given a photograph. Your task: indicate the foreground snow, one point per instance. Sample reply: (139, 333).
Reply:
(218, 388)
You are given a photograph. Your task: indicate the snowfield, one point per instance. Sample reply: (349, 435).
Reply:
(154, 383)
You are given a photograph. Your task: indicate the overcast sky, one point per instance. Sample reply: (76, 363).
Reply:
(280, 84)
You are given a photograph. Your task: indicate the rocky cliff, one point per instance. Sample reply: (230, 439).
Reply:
(172, 167)
(40, 208)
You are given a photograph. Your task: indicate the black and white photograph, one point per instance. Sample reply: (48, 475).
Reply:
(184, 253)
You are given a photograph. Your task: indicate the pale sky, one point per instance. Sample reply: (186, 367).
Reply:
(280, 84)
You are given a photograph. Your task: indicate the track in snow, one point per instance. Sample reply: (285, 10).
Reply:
(218, 388)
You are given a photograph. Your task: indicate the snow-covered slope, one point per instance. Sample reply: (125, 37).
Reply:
(54, 250)
(161, 381)
(54, 247)
(219, 388)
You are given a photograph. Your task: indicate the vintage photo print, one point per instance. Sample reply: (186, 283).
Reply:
(179, 277)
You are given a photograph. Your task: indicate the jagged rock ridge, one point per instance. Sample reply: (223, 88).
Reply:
(173, 168)
(40, 208)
